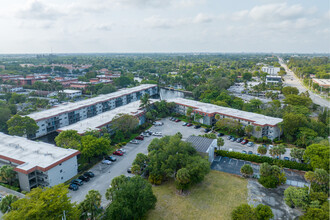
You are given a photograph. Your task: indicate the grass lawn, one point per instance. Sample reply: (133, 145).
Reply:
(214, 198)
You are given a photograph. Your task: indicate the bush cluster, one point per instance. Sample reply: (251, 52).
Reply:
(264, 159)
(17, 189)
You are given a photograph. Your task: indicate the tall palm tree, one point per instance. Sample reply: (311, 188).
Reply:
(5, 204)
(91, 206)
(145, 101)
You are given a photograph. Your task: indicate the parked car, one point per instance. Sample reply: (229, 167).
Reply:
(220, 134)
(185, 124)
(230, 150)
(250, 152)
(149, 132)
(177, 120)
(129, 170)
(111, 158)
(157, 134)
(239, 140)
(90, 174)
(77, 182)
(172, 118)
(258, 154)
(270, 146)
(189, 125)
(139, 138)
(250, 144)
(233, 139)
(122, 150)
(207, 130)
(158, 123)
(229, 137)
(119, 153)
(286, 158)
(134, 142)
(197, 126)
(244, 152)
(107, 162)
(84, 178)
(244, 142)
(73, 187)
(145, 134)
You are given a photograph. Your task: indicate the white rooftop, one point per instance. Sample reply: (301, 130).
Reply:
(69, 91)
(76, 105)
(210, 108)
(32, 153)
(98, 121)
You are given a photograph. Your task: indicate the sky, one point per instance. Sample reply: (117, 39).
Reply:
(127, 26)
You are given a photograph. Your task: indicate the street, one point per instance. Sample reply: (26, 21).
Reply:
(290, 79)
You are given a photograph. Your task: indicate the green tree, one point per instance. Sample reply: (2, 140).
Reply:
(90, 208)
(247, 76)
(292, 122)
(189, 112)
(319, 176)
(246, 170)
(92, 146)
(277, 150)
(145, 101)
(6, 202)
(4, 117)
(243, 212)
(46, 203)
(248, 129)
(298, 100)
(258, 129)
(297, 153)
(318, 156)
(22, 126)
(7, 174)
(296, 197)
(68, 139)
(315, 214)
(262, 149)
(263, 212)
(220, 142)
(125, 123)
(217, 117)
(271, 176)
(131, 198)
(305, 136)
(106, 89)
(288, 90)
(183, 179)
(140, 160)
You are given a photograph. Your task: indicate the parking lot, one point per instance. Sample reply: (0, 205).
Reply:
(105, 173)
(233, 166)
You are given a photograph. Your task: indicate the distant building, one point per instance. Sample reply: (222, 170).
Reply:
(271, 79)
(269, 125)
(38, 163)
(204, 146)
(271, 70)
(324, 83)
(2, 67)
(70, 93)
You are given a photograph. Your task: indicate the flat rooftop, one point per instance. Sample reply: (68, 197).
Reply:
(322, 82)
(104, 118)
(71, 91)
(255, 118)
(31, 154)
(60, 109)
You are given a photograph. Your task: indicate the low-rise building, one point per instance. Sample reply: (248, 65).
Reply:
(324, 83)
(204, 146)
(271, 70)
(70, 93)
(104, 120)
(38, 163)
(269, 125)
(66, 114)
(271, 79)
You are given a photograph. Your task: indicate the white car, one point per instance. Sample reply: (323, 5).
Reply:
(158, 123)
(157, 134)
(107, 162)
(270, 146)
(230, 150)
(145, 134)
(122, 150)
(134, 141)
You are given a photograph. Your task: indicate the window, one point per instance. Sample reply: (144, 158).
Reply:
(61, 171)
(60, 164)
(61, 177)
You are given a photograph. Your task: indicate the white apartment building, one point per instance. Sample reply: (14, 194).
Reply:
(271, 79)
(66, 114)
(271, 70)
(104, 120)
(71, 93)
(38, 163)
(269, 125)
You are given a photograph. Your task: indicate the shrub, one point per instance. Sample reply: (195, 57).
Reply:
(243, 211)
(268, 181)
(262, 150)
(246, 170)
(259, 140)
(264, 212)
(264, 159)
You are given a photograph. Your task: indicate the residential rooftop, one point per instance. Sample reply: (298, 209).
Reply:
(31, 155)
(201, 144)
(60, 109)
(255, 118)
(70, 91)
(98, 121)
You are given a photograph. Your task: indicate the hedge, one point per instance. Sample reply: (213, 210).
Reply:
(17, 189)
(264, 159)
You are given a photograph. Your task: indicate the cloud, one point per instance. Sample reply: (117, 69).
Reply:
(203, 18)
(158, 22)
(39, 11)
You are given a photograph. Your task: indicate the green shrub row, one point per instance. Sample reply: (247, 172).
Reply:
(264, 159)
(17, 189)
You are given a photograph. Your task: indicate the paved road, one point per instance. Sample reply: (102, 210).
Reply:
(105, 173)
(292, 80)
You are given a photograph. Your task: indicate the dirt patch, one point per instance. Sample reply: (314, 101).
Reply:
(272, 197)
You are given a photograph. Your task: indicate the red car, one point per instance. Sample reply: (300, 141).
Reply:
(177, 120)
(139, 138)
(118, 152)
(189, 125)
(244, 142)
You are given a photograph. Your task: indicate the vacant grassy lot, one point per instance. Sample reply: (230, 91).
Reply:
(214, 198)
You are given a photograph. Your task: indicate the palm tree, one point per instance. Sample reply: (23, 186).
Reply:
(145, 101)
(7, 174)
(258, 129)
(249, 129)
(91, 206)
(5, 204)
(220, 142)
(217, 117)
